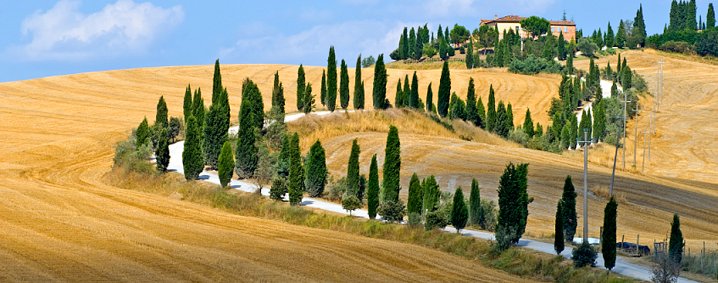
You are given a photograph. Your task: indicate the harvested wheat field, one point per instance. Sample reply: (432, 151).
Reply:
(62, 221)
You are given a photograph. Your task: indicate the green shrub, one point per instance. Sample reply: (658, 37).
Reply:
(436, 219)
(392, 211)
(678, 47)
(584, 255)
(707, 43)
(533, 65)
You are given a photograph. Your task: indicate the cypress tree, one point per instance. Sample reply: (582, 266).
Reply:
(308, 99)
(353, 169)
(392, 166)
(331, 80)
(283, 158)
(215, 133)
(459, 212)
(432, 195)
(509, 118)
(372, 199)
(558, 240)
(344, 86)
(416, 198)
(399, 96)
(675, 243)
(225, 166)
(379, 88)
(162, 153)
(316, 166)
(491, 111)
(608, 238)
(444, 91)
(475, 203)
(192, 162)
(246, 154)
(187, 107)
(414, 97)
(568, 200)
(358, 86)
(561, 47)
(471, 113)
(198, 109)
(142, 134)
(429, 99)
(621, 35)
(470, 54)
(296, 172)
(216, 83)
(324, 88)
(161, 116)
(406, 95)
(301, 86)
(639, 26)
(501, 121)
(528, 124)
(609, 37)
(278, 99)
(412, 44)
(480, 114)
(710, 17)
(569, 62)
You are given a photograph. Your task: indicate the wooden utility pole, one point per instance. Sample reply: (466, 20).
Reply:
(635, 134)
(625, 114)
(586, 143)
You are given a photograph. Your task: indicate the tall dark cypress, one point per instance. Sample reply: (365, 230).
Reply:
(246, 155)
(353, 169)
(192, 161)
(475, 203)
(296, 172)
(331, 80)
(501, 120)
(416, 197)
(675, 243)
(225, 165)
(399, 96)
(316, 166)
(324, 88)
(558, 240)
(301, 86)
(639, 26)
(568, 198)
(480, 114)
(216, 82)
(278, 98)
(609, 37)
(199, 112)
(308, 99)
(142, 134)
(429, 99)
(414, 97)
(379, 87)
(608, 238)
(162, 153)
(344, 86)
(444, 91)
(372, 199)
(491, 111)
(407, 92)
(528, 124)
(161, 115)
(392, 166)
(187, 107)
(471, 113)
(470, 54)
(459, 212)
(710, 17)
(215, 133)
(358, 86)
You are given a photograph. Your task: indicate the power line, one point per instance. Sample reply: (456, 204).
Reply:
(586, 143)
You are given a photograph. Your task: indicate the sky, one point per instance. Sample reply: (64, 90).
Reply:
(43, 38)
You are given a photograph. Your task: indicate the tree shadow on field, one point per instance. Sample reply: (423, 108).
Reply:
(306, 202)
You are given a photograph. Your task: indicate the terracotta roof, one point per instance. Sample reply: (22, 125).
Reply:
(516, 19)
(562, 23)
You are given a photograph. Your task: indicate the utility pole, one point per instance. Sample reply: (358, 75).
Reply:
(615, 157)
(625, 114)
(635, 135)
(586, 143)
(659, 92)
(646, 133)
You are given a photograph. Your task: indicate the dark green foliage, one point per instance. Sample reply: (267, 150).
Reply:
(198, 110)
(301, 86)
(491, 111)
(225, 166)
(707, 43)
(431, 194)
(278, 99)
(457, 108)
(174, 129)
(513, 203)
(535, 25)
(459, 211)
(316, 167)
(344, 86)
(710, 17)
(444, 91)
(532, 65)
(675, 243)
(587, 47)
(283, 159)
(399, 96)
(358, 86)
(414, 93)
(368, 62)
(416, 196)
(279, 188)
(392, 211)
(429, 99)
(584, 255)
(509, 117)
(353, 169)
(217, 125)
(480, 114)
(246, 154)
(475, 203)
(639, 27)
(142, 134)
(216, 83)
(558, 241)
(500, 126)
(350, 203)
(608, 239)
(406, 94)
(161, 116)
(568, 199)
(187, 107)
(331, 80)
(528, 124)
(392, 167)
(162, 152)
(372, 199)
(561, 47)
(192, 161)
(621, 35)
(379, 88)
(324, 88)
(599, 121)
(308, 100)
(470, 55)
(295, 186)
(471, 113)
(609, 38)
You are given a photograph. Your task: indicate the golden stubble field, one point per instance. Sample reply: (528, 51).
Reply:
(62, 221)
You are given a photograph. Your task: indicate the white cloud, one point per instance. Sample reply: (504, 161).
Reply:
(65, 33)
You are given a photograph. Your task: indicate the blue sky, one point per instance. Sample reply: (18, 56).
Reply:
(44, 38)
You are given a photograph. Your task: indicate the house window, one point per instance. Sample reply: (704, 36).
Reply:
(517, 29)
(565, 29)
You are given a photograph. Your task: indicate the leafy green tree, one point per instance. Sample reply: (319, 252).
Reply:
(480, 114)
(295, 186)
(379, 88)
(414, 95)
(187, 107)
(174, 129)
(491, 111)
(537, 26)
(459, 211)
(161, 116)
(416, 197)
(324, 88)
(568, 200)
(558, 240)
(350, 203)
(608, 239)
(278, 99)
(471, 113)
(353, 169)
(444, 90)
(344, 86)
(587, 47)
(675, 243)
(392, 166)
(192, 161)
(279, 188)
(316, 167)
(432, 195)
(301, 87)
(373, 190)
(429, 99)
(162, 152)
(331, 80)
(225, 166)
(475, 203)
(470, 55)
(246, 154)
(358, 86)
(308, 99)
(142, 134)
(528, 124)
(216, 82)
